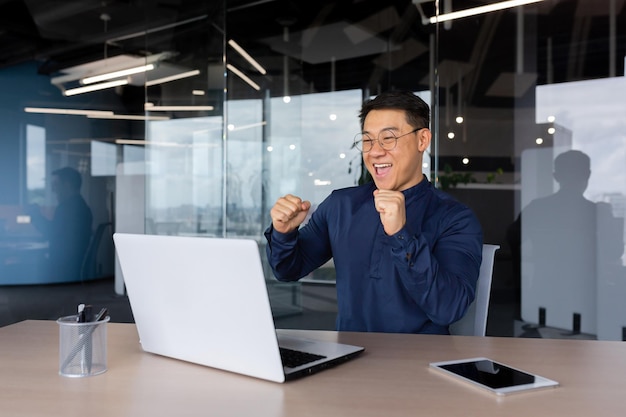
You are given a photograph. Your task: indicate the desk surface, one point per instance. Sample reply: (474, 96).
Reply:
(391, 378)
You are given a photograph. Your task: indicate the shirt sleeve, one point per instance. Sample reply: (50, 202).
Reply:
(441, 276)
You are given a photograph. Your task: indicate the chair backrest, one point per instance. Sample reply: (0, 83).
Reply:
(88, 266)
(474, 323)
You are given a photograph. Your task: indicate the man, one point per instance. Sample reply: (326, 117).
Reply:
(70, 228)
(407, 256)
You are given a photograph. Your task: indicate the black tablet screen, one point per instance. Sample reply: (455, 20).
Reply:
(491, 374)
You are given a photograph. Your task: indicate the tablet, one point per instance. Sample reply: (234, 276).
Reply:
(493, 376)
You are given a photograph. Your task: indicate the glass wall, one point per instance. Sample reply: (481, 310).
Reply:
(250, 100)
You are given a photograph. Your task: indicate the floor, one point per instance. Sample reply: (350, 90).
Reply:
(49, 302)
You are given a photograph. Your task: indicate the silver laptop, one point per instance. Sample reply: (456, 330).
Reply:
(205, 300)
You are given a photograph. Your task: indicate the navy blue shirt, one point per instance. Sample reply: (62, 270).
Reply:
(419, 280)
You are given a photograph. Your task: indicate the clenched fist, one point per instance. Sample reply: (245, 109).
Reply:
(288, 213)
(390, 205)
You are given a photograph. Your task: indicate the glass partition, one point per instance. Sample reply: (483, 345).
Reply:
(511, 90)
(245, 101)
(538, 155)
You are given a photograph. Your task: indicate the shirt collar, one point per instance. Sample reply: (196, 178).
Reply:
(417, 189)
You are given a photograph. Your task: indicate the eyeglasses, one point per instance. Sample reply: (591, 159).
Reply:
(386, 139)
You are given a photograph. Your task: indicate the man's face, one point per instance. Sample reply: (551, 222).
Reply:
(400, 168)
(60, 188)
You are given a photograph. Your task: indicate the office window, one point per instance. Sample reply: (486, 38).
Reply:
(309, 145)
(35, 163)
(103, 158)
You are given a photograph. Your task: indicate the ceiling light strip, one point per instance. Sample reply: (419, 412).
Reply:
(150, 107)
(74, 112)
(250, 126)
(117, 74)
(129, 117)
(94, 87)
(131, 142)
(173, 77)
(243, 76)
(246, 56)
(481, 10)
(162, 144)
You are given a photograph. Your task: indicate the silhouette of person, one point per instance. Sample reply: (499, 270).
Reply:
(70, 228)
(561, 242)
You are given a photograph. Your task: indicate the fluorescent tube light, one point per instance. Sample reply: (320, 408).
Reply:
(247, 57)
(129, 117)
(131, 142)
(480, 10)
(243, 76)
(163, 144)
(142, 142)
(94, 87)
(250, 126)
(117, 74)
(75, 112)
(152, 107)
(173, 77)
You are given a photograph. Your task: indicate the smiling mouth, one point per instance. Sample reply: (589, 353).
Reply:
(381, 168)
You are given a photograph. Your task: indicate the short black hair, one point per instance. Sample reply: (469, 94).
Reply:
(70, 176)
(416, 109)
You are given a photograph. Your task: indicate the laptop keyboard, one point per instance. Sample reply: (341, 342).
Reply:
(294, 358)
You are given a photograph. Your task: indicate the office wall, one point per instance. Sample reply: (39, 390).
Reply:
(16, 83)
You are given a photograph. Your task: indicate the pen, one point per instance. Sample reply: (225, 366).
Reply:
(81, 318)
(88, 312)
(88, 343)
(102, 314)
(81, 313)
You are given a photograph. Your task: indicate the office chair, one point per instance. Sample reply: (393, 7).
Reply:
(474, 323)
(88, 266)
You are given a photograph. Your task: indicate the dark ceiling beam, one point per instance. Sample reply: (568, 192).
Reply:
(578, 47)
(398, 35)
(479, 53)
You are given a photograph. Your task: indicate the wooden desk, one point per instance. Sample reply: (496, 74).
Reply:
(391, 378)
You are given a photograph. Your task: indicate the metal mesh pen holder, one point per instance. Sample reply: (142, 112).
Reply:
(82, 347)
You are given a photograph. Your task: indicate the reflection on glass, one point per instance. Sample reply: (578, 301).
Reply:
(568, 243)
(588, 275)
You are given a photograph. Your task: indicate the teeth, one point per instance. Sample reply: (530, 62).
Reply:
(382, 165)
